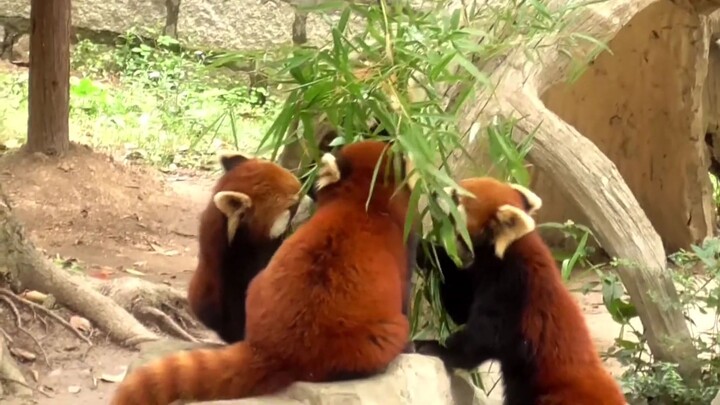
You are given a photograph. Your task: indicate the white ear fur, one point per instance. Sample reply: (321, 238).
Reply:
(303, 213)
(534, 200)
(452, 191)
(229, 202)
(285, 221)
(328, 173)
(233, 204)
(280, 225)
(454, 196)
(514, 224)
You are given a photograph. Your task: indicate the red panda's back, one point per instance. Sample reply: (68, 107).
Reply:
(339, 272)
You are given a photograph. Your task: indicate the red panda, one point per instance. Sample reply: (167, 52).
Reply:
(457, 289)
(415, 90)
(327, 307)
(253, 206)
(519, 312)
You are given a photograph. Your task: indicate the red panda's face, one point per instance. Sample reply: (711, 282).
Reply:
(488, 196)
(261, 194)
(495, 212)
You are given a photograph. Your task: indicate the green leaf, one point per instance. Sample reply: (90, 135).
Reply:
(344, 19)
(481, 77)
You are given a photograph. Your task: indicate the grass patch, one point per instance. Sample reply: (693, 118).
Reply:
(153, 103)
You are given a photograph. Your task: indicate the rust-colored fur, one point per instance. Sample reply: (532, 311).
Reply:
(521, 313)
(327, 307)
(264, 199)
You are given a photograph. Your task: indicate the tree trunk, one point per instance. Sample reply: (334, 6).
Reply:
(49, 97)
(292, 154)
(172, 8)
(584, 175)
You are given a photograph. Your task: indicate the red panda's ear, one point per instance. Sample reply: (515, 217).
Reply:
(303, 212)
(454, 194)
(512, 224)
(229, 161)
(328, 172)
(234, 205)
(534, 203)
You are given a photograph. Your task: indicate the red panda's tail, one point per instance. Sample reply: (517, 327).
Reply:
(232, 372)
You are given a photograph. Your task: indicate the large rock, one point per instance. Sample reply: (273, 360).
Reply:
(115, 16)
(219, 24)
(199, 24)
(153, 350)
(119, 15)
(412, 379)
(642, 105)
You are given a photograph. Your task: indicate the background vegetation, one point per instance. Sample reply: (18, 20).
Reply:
(174, 108)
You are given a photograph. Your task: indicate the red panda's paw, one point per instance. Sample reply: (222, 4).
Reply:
(409, 348)
(428, 347)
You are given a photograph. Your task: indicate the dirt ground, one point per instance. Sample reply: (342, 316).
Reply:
(103, 217)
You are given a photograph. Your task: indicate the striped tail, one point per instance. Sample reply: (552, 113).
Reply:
(231, 372)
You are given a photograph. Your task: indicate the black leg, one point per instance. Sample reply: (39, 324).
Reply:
(462, 349)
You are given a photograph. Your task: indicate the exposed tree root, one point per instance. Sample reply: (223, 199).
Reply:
(12, 380)
(19, 326)
(22, 266)
(155, 304)
(166, 322)
(7, 294)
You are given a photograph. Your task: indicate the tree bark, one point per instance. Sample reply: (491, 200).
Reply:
(586, 176)
(172, 8)
(49, 82)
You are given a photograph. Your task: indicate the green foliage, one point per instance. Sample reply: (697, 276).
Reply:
(149, 99)
(161, 103)
(438, 47)
(696, 273)
(579, 256)
(647, 378)
(196, 111)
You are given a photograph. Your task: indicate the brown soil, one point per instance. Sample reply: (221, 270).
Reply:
(106, 214)
(103, 216)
